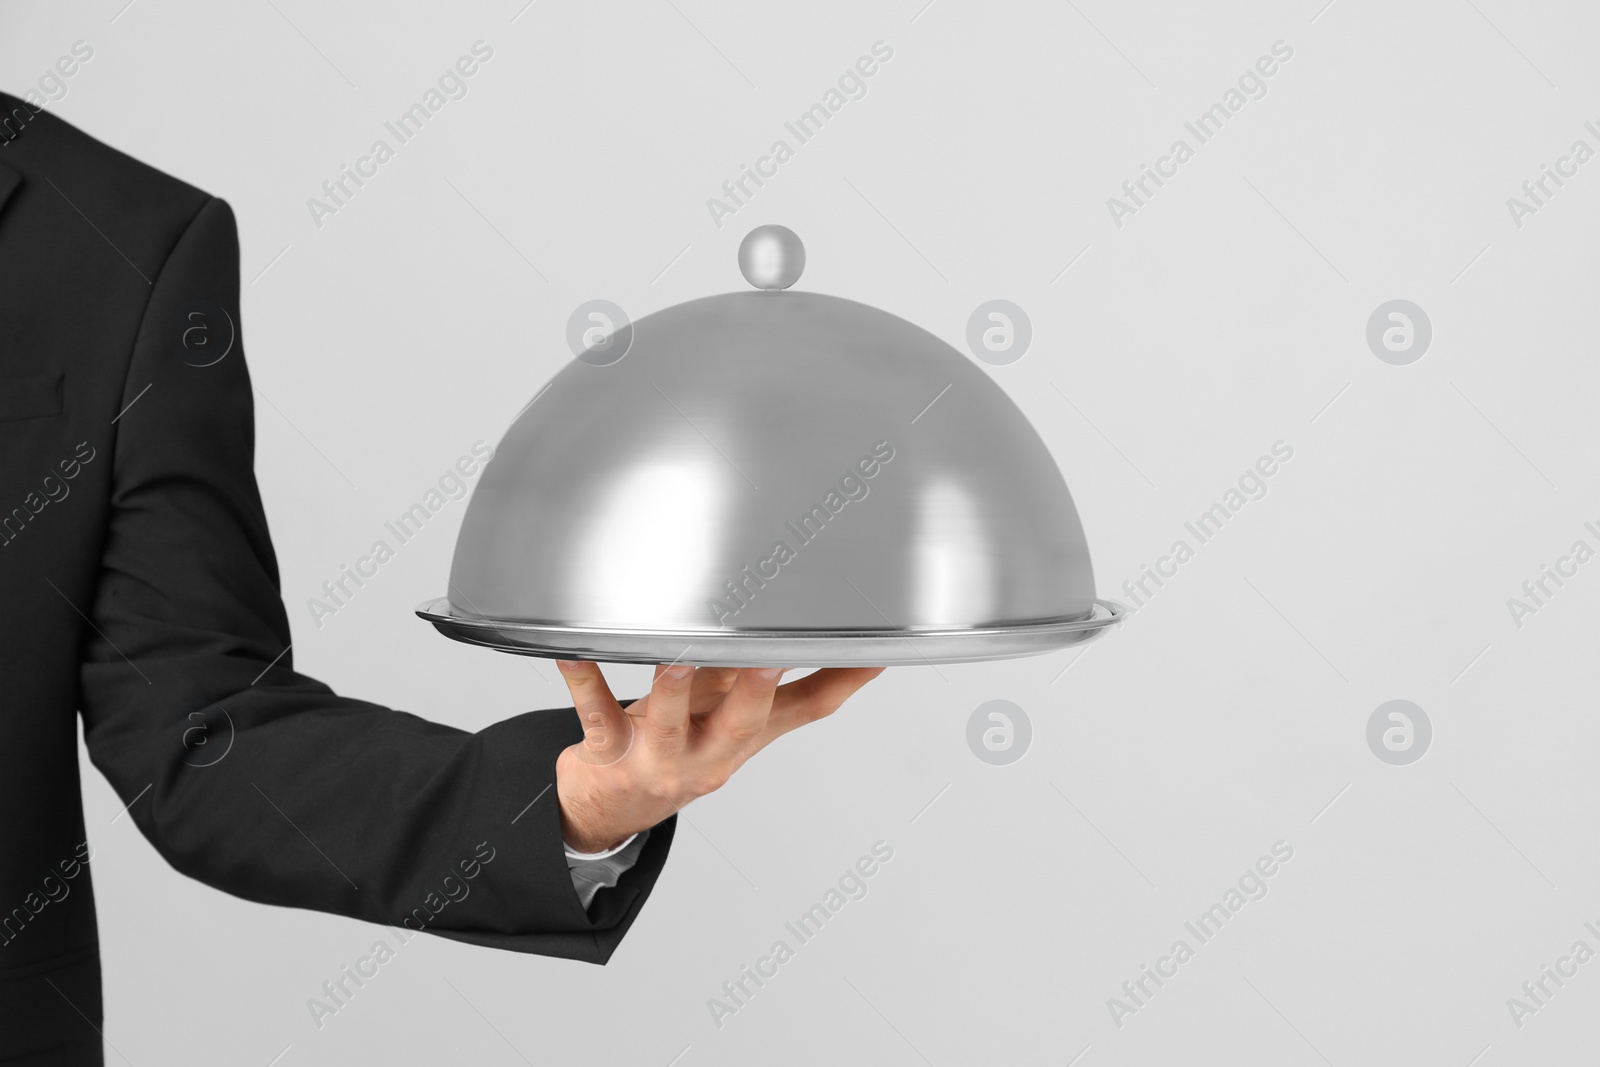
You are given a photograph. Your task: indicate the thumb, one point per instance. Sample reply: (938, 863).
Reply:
(607, 729)
(607, 733)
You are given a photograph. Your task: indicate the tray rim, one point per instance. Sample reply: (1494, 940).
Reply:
(776, 647)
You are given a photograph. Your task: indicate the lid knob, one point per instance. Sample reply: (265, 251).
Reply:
(771, 257)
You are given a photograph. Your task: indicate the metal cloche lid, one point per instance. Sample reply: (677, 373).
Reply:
(772, 478)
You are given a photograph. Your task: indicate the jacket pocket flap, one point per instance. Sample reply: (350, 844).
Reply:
(31, 396)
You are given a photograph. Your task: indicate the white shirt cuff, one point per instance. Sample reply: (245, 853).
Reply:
(574, 854)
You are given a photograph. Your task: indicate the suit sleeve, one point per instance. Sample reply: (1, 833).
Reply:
(260, 781)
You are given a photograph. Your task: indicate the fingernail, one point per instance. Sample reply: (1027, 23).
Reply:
(567, 664)
(768, 673)
(678, 670)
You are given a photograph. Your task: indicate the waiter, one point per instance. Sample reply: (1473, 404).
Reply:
(139, 587)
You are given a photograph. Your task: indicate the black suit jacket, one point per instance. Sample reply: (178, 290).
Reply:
(138, 584)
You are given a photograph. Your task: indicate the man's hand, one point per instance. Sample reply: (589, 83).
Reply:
(638, 765)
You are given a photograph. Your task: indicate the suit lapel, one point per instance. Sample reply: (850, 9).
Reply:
(9, 180)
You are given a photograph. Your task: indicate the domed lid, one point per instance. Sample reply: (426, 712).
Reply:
(777, 478)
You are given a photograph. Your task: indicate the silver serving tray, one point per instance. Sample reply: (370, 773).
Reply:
(773, 648)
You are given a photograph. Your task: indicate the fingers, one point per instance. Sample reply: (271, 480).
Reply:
(607, 730)
(816, 696)
(711, 684)
(742, 716)
(666, 716)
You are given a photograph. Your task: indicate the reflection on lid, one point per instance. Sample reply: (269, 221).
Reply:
(951, 573)
(647, 546)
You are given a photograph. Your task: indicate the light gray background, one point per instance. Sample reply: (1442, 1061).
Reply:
(1228, 314)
